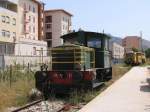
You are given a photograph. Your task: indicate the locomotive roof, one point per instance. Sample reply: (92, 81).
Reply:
(72, 34)
(72, 46)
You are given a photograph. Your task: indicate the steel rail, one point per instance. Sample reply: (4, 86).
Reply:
(27, 105)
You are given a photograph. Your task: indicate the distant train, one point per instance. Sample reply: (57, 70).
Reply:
(84, 61)
(135, 58)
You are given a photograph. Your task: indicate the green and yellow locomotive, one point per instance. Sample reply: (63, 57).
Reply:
(83, 61)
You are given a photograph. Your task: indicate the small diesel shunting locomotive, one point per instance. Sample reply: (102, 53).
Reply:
(83, 61)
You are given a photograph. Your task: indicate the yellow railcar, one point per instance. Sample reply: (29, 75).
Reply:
(135, 58)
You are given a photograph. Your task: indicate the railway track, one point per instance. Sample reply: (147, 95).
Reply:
(27, 106)
(47, 106)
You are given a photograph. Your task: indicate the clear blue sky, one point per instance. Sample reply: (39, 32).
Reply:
(117, 17)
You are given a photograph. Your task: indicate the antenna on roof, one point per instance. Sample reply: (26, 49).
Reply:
(80, 29)
(103, 31)
(141, 35)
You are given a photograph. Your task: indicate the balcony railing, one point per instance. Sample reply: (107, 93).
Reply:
(8, 11)
(7, 4)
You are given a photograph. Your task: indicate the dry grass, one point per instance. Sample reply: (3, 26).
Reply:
(22, 83)
(82, 97)
(118, 71)
(17, 93)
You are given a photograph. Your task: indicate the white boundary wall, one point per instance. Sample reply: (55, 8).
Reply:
(6, 60)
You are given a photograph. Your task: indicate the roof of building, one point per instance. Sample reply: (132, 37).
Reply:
(56, 10)
(136, 37)
(38, 1)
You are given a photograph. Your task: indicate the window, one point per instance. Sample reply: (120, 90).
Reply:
(49, 43)
(7, 20)
(34, 50)
(14, 35)
(24, 6)
(29, 7)
(2, 48)
(34, 19)
(33, 29)
(29, 28)
(33, 37)
(66, 27)
(29, 37)
(3, 19)
(49, 35)
(63, 18)
(3, 33)
(29, 18)
(106, 44)
(96, 43)
(7, 34)
(14, 21)
(48, 26)
(48, 19)
(41, 52)
(33, 9)
(10, 49)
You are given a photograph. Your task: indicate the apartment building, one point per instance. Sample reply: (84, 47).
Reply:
(56, 23)
(130, 42)
(8, 26)
(117, 51)
(22, 27)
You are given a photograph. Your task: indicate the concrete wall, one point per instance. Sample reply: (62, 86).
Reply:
(23, 60)
(27, 47)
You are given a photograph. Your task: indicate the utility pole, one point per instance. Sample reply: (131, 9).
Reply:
(141, 35)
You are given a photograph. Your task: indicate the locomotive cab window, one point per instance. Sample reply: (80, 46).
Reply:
(106, 44)
(95, 43)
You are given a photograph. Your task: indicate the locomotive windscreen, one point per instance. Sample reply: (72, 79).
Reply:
(68, 57)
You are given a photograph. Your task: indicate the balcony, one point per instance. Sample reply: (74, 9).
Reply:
(27, 20)
(11, 1)
(9, 5)
(9, 12)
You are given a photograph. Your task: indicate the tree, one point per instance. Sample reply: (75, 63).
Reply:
(147, 53)
(135, 49)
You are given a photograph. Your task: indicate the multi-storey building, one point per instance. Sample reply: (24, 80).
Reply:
(22, 26)
(57, 23)
(8, 26)
(117, 51)
(130, 42)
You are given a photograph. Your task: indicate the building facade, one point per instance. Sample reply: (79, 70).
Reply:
(8, 26)
(130, 42)
(22, 27)
(56, 23)
(118, 52)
